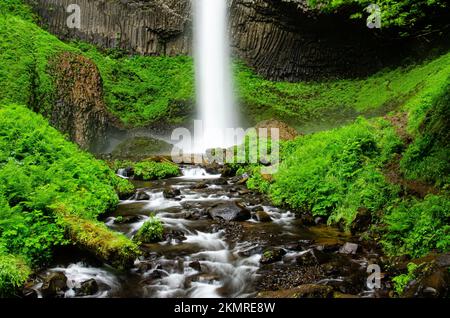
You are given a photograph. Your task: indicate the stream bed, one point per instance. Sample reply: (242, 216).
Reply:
(221, 240)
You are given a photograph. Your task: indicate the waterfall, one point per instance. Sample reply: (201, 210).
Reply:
(215, 102)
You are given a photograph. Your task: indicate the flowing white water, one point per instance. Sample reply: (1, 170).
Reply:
(213, 75)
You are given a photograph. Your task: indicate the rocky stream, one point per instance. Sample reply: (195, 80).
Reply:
(220, 240)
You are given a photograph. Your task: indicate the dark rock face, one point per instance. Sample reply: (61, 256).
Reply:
(283, 40)
(140, 148)
(79, 110)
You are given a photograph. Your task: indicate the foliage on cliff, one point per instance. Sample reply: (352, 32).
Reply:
(409, 15)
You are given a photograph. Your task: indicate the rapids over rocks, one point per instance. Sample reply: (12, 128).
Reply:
(221, 240)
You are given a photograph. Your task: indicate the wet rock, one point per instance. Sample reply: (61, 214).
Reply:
(229, 212)
(213, 168)
(54, 285)
(87, 288)
(251, 251)
(306, 220)
(196, 265)
(171, 193)
(362, 221)
(141, 196)
(157, 274)
(126, 219)
(218, 181)
(29, 293)
(300, 245)
(314, 291)
(312, 257)
(200, 185)
(349, 248)
(262, 216)
(174, 236)
(243, 179)
(244, 192)
(272, 255)
(227, 171)
(319, 220)
(302, 291)
(144, 266)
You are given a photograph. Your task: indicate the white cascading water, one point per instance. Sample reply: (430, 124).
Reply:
(215, 101)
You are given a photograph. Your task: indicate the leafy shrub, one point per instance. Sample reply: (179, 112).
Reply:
(401, 281)
(399, 13)
(415, 227)
(13, 274)
(336, 172)
(40, 171)
(17, 8)
(151, 231)
(149, 170)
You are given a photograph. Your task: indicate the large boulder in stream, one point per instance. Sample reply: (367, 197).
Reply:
(54, 285)
(87, 288)
(229, 212)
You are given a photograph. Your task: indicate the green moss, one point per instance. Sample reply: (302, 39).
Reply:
(149, 170)
(114, 248)
(151, 231)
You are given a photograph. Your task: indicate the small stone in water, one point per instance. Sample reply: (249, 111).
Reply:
(349, 248)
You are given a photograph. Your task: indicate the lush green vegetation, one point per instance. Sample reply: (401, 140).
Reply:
(13, 273)
(151, 231)
(427, 158)
(25, 51)
(148, 170)
(415, 227)
(48, 187)
(406, 14)
(144, 90)
(401, 281)
(337, 172)
(140, 90)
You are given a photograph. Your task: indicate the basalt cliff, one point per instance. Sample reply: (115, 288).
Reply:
(281, 40)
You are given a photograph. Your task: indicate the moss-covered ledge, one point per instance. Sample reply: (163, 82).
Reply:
(93, 236)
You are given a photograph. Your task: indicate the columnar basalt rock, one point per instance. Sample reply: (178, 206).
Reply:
(79, 110)
(281, 40)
